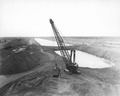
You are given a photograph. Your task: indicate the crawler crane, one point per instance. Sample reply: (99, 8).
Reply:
(71, 66)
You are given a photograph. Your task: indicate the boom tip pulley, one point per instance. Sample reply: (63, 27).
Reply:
(51, 21)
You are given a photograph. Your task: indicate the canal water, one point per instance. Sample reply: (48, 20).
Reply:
(82, 59)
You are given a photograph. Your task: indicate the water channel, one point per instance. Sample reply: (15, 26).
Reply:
(82, 59)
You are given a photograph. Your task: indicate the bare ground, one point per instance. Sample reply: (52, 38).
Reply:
(39, 81)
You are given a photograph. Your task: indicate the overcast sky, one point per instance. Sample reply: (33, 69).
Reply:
(72, 17)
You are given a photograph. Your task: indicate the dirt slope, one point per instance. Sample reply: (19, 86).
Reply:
(91, 82)
(40, 82)
(18, 56)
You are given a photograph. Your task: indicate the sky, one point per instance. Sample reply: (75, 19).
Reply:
(30, 18)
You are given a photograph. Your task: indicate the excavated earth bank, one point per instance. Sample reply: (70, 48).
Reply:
(106, 48)
(111, 55)
(38, 81)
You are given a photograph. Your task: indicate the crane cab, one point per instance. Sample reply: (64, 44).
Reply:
(72, 69)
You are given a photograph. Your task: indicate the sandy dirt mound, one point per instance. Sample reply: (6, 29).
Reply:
(19, 55)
